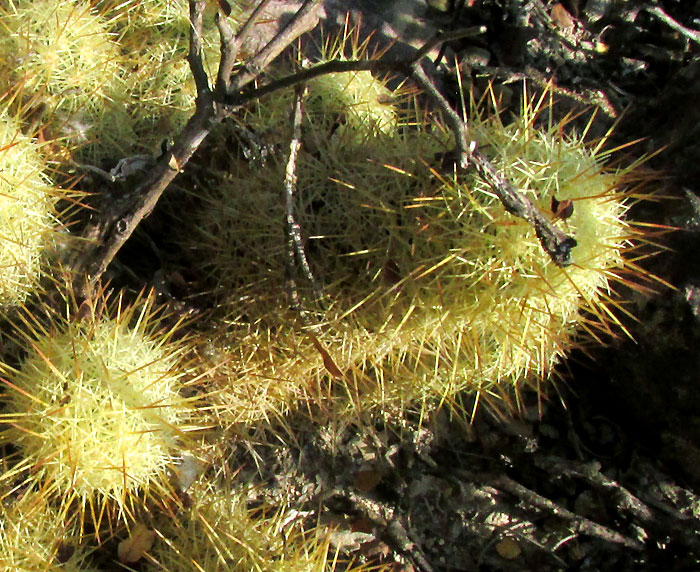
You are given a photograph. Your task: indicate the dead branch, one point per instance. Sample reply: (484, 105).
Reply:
(692, 35)
(305, 19)
(624, 501)
(194, 55)
(295, 244)
(231, 46)
(119, 216)
(384, 517)
(577, 523)
(555, 242)
(343, 66)
(303, 76)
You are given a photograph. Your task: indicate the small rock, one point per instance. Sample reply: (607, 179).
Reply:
(508, 548)
(476, 56)
(347, 541)
(596, 10)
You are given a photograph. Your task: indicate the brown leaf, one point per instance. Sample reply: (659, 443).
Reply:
(562, 209)
(366, 480)
(328, 362)
(135, 547)
(561, 17)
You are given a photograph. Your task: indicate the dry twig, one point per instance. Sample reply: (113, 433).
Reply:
(555, 242)
(624, 501)
(577, 523)
(384, 517)
(692, 35)
(295, 244)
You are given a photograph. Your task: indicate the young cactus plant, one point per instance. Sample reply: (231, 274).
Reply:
(63, 67)
(34, 536)
(95, 408)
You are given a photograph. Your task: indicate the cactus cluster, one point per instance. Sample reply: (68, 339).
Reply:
(34, 536)
(421, 288)
(219, 532)
(28, 217)
(63, 69)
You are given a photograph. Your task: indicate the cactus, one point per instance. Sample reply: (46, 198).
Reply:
(430, 286)
(95, 407)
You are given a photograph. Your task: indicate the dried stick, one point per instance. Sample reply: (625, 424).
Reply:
(342, 66)
(578, 524)
(624, 500)
(305, 19)
(456, 9)
(384, 517)
(231, 46)
(303, 76)
(443, 38)
(555, 242)
(664, 524)
(295, 245)
(692, 35)
(194, 55)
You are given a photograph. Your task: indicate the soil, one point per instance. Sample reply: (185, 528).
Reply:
(605, 475)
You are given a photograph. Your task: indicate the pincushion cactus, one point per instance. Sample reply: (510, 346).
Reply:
(220, 532)
(63, 64)
(33, 536)
(95, 407)
(430, 286)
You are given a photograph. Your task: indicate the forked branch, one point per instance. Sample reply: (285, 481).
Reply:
(119, 218)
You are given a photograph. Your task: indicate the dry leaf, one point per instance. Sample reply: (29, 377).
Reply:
(561, 17)
(362, 524)
(328, 362)
(135, 547)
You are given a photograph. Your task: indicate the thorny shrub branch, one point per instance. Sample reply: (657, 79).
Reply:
(118, 219)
